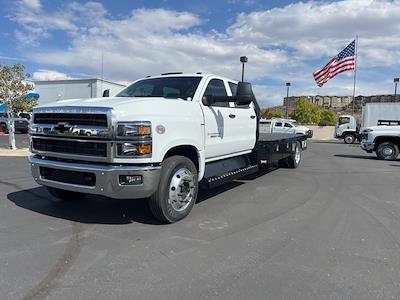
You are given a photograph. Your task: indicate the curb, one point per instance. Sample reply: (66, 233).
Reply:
(14, 153)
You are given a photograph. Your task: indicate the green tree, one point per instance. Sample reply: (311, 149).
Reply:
(306, 112)
(268, 113)
(328, 117)
(13, 90)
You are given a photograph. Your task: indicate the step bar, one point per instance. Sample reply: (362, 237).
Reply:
(215, 181)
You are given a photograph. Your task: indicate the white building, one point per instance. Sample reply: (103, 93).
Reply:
(54, 90)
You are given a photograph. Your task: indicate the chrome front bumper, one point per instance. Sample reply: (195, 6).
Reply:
(106, 178)
(367, 146)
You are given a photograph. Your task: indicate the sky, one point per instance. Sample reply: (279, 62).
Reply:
(285, 41)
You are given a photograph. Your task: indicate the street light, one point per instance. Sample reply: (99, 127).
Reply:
(243, 60)
(396, 81)
(287, 99)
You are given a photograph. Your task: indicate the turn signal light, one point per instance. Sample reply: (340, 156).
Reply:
(144, 149)
(144, 130)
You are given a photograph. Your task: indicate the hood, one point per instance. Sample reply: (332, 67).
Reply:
(126, 108)
(113, 102)
(302, 128)
(382, 128)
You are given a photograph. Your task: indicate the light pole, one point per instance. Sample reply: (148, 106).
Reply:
(287, 99)
(396, 81)
(243, 60)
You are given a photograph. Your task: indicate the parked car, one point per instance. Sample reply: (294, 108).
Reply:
(25, 115)
(279, 125)
(20, 124)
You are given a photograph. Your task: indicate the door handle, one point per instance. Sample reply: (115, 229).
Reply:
(252, 117)
(232, 116)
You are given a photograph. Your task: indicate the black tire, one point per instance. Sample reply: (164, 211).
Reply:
(349, 138)
(3, 127)
(59, 196)
(387, 151)
(295, 159)
(163, 203)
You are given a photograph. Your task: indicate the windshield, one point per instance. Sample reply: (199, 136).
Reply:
(168, 87)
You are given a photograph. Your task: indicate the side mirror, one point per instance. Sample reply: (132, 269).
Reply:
(208, 100)
(106, 93)
(244, 94)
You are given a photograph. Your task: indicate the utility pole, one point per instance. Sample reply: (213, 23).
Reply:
(287, 99)
(243, 60)
(396, 81)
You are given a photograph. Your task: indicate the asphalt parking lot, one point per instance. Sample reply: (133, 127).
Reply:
(327, 230)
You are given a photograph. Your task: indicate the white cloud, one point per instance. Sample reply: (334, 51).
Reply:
(32, 4)
(283, 44)
(43, 74)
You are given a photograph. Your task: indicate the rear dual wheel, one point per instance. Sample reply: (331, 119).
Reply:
(177, 190)
(292, 161)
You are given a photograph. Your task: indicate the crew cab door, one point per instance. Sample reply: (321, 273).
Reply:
(226, 133)
(244, 125)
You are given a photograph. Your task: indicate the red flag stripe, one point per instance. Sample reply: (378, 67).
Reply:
(334, 66)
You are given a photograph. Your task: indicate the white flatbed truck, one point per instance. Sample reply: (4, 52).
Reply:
(157, 139)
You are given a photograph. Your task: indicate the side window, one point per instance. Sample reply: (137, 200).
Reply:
(278, 124)
(233, 87)
(216, 87)
(344, 120)
(288, 125)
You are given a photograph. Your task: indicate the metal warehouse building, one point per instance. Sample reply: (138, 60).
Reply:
(54, 90)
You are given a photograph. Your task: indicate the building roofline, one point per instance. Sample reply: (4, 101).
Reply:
(77, 80)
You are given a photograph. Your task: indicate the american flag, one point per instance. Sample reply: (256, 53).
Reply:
(344, 61)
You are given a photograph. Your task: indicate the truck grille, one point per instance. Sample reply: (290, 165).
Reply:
(71, 119)
(70, 147)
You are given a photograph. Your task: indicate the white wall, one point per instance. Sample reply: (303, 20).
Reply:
(50, 92)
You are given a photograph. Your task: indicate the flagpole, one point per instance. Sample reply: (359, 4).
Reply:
(355, 74)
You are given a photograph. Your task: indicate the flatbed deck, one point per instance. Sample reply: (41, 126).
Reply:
(271, 137)
(271, 147)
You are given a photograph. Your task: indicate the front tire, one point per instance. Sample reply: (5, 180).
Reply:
(387, 151)
(177, 191)
(349, 138)
(59, 196)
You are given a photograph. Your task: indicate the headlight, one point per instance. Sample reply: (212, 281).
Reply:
(134, 139)
(126, 149)
(134, 130)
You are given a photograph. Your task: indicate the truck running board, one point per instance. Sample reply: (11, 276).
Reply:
(215, 181)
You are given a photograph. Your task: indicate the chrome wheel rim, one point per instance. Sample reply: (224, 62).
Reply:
(349, 139)
(181, 189)
(297, 155)
(387, 151)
